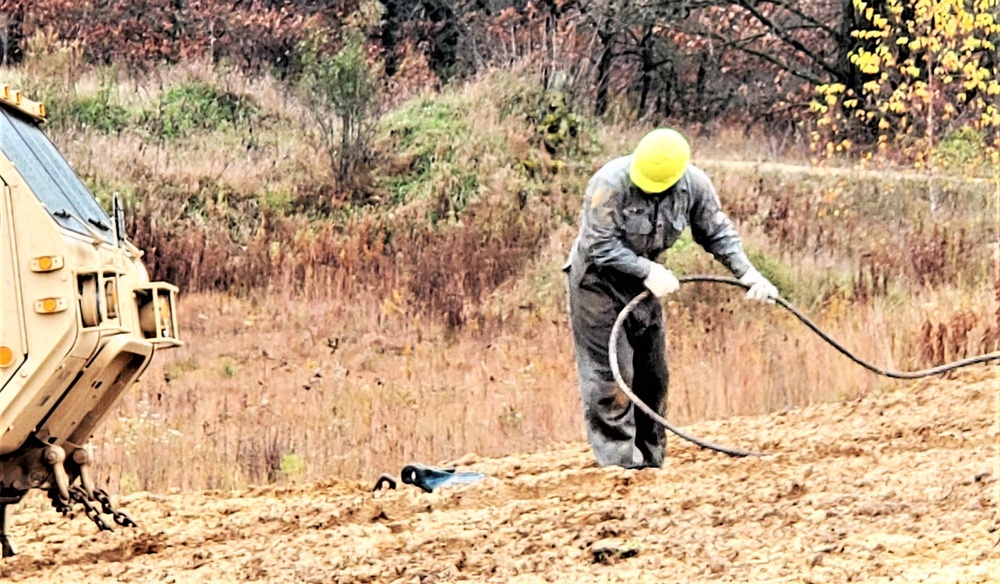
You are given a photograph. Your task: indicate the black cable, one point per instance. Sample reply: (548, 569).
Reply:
(613, 355)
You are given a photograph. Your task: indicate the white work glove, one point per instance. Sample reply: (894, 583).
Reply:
(661, 281)
(761, 289)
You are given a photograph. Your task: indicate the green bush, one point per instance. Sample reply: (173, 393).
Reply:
(344, 90)
(191, 107)
(96, 112)
(963, 150)
(419, 133)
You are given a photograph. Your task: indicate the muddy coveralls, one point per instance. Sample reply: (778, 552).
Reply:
(622, 232)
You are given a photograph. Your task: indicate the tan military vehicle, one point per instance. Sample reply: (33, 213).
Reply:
(79, 319)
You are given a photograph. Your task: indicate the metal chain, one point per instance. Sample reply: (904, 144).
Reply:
(90, 506)
(79, 495)
(62, 505)
(119, 516)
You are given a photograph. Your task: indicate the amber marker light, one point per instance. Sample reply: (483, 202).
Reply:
(46, 264)
(6, 356)
(50, 305)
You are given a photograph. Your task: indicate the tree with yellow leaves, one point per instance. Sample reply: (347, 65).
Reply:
(926, 79)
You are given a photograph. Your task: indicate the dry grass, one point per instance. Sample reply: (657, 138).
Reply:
(276, 389)
(353, 389)
(270, 156)
(343, 380)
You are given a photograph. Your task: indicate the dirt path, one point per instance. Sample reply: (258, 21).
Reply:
(901, 486)
(874, 174)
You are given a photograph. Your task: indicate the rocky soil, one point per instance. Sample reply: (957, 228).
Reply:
(901, 486)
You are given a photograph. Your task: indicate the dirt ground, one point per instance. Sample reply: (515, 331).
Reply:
(901, 486)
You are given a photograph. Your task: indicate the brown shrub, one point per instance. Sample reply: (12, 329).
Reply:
(451, 270)
(257, 36)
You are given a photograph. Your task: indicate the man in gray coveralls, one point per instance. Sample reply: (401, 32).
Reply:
(635, 207)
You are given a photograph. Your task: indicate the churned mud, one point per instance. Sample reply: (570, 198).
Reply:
(901, 486)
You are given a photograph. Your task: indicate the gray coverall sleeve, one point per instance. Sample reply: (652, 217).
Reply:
(712, 229)
(602, 238)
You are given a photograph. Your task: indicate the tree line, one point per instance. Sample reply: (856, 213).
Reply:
(846, 73)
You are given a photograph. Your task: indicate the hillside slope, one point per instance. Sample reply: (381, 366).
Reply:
(901, 486)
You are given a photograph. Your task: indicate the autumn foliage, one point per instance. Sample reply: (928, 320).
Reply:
(926, 71)
(843, 76)
(255, 35)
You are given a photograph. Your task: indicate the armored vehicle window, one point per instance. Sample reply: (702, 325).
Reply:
(50, 177)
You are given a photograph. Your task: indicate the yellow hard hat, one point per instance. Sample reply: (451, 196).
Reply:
(659, 160)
